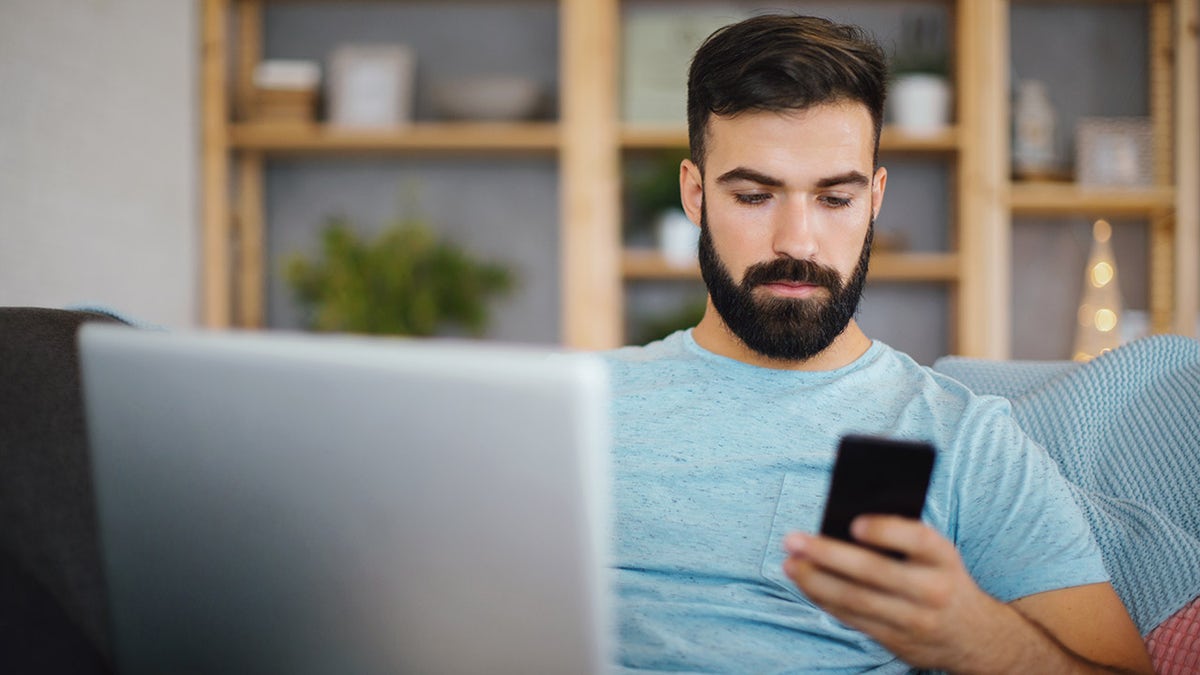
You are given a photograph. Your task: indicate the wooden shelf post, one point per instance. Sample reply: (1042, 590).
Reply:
(216, 267)
(589, 175)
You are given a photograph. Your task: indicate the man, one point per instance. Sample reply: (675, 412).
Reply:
(725, 433)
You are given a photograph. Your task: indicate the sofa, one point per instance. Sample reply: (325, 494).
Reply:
(1125, 429)
(52, 600)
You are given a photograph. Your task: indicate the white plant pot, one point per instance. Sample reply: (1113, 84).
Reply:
(921, 104)
(678, 238)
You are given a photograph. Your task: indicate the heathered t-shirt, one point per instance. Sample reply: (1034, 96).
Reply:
(716, 460)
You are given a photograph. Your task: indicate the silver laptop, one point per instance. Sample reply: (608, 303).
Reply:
(280, 503)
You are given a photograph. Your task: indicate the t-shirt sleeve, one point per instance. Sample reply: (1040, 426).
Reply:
(1019, 530)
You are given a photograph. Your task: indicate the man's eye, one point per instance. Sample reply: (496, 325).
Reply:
(752, 198)
(836, 202)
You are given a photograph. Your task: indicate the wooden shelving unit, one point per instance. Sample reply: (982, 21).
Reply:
(588, 141)
(1170, 205)
(319, 139)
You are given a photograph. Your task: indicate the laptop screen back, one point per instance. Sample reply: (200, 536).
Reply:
(304, 504)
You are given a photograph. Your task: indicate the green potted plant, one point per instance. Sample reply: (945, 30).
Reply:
(404, 281)
(920, 88)
(653, 191)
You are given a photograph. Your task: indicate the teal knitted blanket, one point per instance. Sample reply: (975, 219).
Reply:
(1125, 430)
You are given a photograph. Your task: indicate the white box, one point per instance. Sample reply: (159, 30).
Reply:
(371, 86)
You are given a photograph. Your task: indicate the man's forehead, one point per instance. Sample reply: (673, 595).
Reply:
(839, 136)
(852, 111)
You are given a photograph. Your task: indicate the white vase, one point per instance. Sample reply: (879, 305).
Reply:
(1034, 151)
(921, 104)
(678, 238)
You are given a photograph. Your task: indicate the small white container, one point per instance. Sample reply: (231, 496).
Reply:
(921, 104)
(678, 238)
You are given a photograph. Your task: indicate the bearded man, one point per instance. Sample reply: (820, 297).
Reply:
(725, 433)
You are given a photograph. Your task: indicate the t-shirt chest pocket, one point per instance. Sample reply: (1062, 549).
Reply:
(799, 508)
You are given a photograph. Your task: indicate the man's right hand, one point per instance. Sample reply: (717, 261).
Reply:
(927, 610)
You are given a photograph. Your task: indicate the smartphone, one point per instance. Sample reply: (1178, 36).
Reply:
(877, 475)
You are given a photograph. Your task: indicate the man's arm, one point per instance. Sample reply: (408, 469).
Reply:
(1089, 620)
(928, 610)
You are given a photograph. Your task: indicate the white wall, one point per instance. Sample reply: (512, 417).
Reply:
(98, 156)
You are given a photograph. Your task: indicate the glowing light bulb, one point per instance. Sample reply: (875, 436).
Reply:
(1106, 320)
(1102, 273)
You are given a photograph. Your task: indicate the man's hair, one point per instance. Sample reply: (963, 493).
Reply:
(779, 62)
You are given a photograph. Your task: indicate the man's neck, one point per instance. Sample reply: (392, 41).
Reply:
(714, 335)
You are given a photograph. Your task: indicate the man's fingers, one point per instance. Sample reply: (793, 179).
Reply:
(913, 539)
(860, 606)
(851, 561)
(914, 578)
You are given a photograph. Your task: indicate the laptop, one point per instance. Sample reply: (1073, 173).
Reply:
(290, 503)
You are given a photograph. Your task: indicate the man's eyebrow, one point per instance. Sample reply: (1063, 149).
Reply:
(741, 173)
(848, 178)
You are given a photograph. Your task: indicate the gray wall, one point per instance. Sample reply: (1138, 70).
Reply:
(98, 144)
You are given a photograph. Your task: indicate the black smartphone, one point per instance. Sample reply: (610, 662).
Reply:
(876, 475)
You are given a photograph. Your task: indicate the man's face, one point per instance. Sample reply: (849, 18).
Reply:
(786, 207)
(792, 329)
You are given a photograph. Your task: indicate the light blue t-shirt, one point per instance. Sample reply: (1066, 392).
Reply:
(716, 460)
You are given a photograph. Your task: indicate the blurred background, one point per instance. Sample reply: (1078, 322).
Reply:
(534, 164)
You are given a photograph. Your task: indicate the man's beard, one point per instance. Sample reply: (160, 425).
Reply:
(792, 329)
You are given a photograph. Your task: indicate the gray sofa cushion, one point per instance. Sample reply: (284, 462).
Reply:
(48, 537)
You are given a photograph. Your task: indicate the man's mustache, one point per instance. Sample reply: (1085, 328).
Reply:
(793, 271)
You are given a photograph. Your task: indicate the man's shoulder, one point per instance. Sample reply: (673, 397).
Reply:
(939, 400)
(672, 346)
(900, 369)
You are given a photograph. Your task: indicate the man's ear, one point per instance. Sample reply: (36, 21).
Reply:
(691, 190)
(878, 187)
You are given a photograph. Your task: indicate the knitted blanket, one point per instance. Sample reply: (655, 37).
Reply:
(1125, 430)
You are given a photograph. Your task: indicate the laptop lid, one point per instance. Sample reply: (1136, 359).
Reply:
(313, 504)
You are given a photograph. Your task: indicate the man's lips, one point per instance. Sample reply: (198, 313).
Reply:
(792, 289)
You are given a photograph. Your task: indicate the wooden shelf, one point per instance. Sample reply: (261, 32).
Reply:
(425, 136)
(894, 140)
(666, 136)
(648, 265)
(1058, 199)
(653, 137)
(921, 267)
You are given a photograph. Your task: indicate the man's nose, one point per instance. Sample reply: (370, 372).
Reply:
(795, 231)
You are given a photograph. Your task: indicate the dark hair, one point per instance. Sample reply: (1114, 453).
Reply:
(782, 62)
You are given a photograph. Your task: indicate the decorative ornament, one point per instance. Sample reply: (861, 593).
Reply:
(1100, 307)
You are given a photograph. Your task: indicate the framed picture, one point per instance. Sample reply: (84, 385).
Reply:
(1114, 151)
(371, 86)
(657, 44)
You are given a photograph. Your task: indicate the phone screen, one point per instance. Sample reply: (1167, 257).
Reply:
(876, 475)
